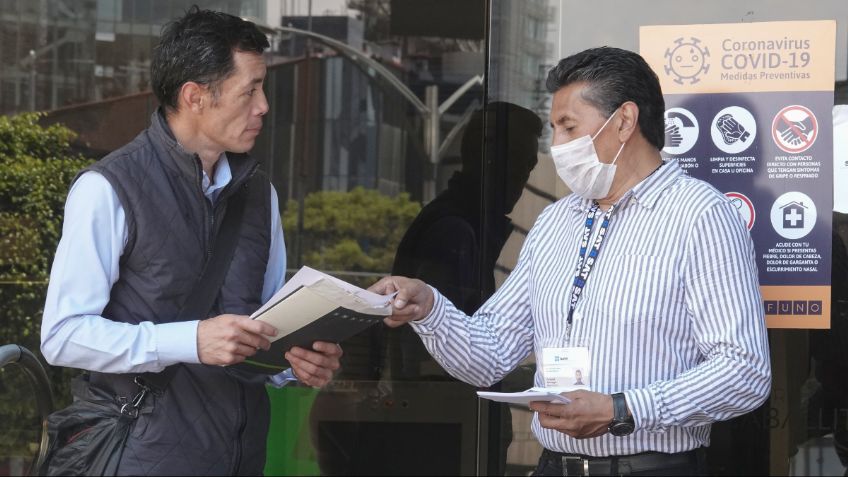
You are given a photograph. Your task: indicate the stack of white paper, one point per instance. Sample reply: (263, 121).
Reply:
(530, 395)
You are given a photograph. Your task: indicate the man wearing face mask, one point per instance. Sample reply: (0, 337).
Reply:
(644, 278)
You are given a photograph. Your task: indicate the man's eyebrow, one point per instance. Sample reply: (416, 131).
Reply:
(253, 82)
(561, 119)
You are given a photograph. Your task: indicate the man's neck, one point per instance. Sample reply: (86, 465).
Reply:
(192, 141)
(634, 171)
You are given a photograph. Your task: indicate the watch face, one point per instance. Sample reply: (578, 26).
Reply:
(620, 429)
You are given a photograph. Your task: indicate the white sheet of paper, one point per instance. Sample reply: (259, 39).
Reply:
(333, 289)
(356, 301)
(528, 396)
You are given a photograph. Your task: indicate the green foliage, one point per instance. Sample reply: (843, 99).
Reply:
(35, 171)
(356, 231)
(36, 168)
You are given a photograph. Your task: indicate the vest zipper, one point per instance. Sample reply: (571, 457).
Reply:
(209, 221)
(210, 224)
(211, 208)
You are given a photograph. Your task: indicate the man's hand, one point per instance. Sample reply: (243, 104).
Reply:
(230, 339)
(315, 368)
(414, 300)
(587, 415)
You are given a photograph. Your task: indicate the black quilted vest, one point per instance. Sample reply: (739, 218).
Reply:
(210, 420)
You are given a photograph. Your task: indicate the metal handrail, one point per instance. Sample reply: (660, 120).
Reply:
(14, 354)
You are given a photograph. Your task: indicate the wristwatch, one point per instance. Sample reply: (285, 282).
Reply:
(622, 422)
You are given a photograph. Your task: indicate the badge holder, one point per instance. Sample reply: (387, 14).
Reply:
(564, 364)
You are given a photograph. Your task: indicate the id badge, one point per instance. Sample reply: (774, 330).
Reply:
(566, 367)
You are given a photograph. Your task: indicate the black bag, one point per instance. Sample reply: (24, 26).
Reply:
(88, 437)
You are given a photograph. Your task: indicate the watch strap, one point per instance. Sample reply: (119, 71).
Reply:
(622, 423)
(620, 410)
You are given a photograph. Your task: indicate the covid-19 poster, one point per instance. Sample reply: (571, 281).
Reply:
(749, 109)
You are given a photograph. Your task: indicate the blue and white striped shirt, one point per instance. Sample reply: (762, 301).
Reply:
(671, 313)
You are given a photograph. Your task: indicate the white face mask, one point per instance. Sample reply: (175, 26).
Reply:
(577, 164)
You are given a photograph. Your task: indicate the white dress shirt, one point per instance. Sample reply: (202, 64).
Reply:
(94, 234)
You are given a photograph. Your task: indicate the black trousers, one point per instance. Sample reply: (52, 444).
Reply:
(650, 463)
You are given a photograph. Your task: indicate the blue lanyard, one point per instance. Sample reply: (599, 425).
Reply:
(585, 263)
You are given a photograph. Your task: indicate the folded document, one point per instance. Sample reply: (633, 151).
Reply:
(314, 306)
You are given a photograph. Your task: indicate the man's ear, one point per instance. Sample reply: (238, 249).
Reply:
(193, 97)
(629, 122)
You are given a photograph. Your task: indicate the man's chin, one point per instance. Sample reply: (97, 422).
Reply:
(243, 147)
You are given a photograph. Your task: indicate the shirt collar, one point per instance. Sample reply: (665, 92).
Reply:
(646, 193)
(222, 176)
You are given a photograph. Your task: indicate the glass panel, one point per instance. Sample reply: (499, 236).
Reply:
(355, 176)
(520, 54)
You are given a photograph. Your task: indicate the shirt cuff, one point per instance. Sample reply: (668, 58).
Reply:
(282, 379)
(643, 407)
(431, 322)
(177, 343)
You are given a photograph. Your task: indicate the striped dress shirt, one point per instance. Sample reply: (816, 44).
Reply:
(671, 313)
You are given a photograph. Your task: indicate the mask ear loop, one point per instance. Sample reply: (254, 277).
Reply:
(602, 128)
(618, 154)
(605, 124)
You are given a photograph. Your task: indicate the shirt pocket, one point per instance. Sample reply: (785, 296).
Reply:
(638, 288)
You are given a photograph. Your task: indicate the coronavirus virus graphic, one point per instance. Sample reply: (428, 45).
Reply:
(687, 60)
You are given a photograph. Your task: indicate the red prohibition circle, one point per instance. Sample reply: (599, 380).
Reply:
(748, 203)
(807, 142)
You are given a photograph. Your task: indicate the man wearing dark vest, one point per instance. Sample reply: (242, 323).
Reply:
(139, 228)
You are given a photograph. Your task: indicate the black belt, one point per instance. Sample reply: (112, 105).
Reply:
(573, 464)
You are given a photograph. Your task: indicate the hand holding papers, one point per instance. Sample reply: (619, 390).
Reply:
(528, 396)
(314, 306)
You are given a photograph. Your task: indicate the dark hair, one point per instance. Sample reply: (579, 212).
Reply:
(199, 47)
(615, 76)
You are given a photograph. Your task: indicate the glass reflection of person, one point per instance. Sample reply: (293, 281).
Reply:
(455, 241)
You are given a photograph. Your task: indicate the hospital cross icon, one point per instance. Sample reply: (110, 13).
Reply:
(794, 219)
(793, 215)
